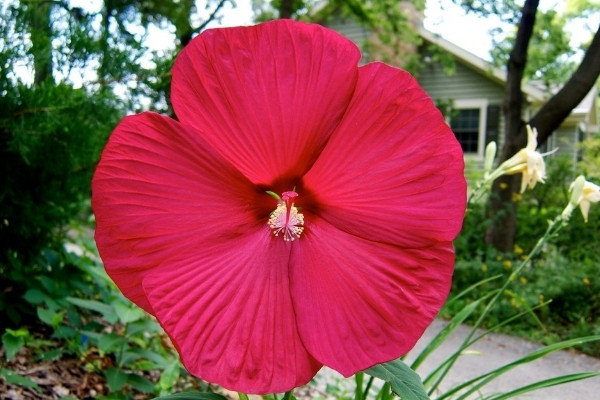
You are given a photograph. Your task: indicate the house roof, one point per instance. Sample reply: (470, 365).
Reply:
(534, 94)
(586, 111)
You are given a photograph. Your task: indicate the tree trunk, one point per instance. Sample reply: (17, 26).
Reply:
(104, 67)
(286, 8)
(501, 232)
(41, 39)
(503, 209)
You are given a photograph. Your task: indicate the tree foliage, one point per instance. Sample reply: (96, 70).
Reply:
(392, 23)
(67, 76)
(550, 56)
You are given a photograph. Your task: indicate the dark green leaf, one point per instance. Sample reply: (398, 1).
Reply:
(111, 341)
(16, 379)
(50, 317)
(192, 396)
(106, 310)
(35, 296)
(12, 344)
(140, 383)
(116, 378)
(405, 382)
(50, 355)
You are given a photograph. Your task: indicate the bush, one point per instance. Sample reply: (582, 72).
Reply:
(50, 140)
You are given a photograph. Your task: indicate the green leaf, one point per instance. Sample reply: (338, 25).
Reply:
(127, 313)
(12, 344)
(15, 379)
(50, 317)
(110, 341)
(140, 383)
(107, 311)
(192, 396)
(116, 378)
(51, 355)
(169, 376)
(405, 382)
(21, 332)
(153, 357)
(35, 296)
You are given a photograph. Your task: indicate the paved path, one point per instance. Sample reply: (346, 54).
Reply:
(496, 350)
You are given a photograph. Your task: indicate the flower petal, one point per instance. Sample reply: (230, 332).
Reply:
(393, 170)
(266, 96)
(159, 193)
(229, 312)
(360, 303)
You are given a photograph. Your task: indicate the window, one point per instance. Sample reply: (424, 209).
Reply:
(475, 123)
(465, 124)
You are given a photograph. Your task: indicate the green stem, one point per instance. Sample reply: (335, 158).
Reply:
(483, 185)
(242, 396)
(358, 391)
(386, 391)
(369, 384)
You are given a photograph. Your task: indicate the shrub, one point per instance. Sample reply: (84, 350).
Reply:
(50, 140)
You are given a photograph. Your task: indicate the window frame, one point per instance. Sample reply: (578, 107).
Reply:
(470, 104)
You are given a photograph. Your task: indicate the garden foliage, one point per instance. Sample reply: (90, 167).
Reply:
(51, 135)
(566, 273)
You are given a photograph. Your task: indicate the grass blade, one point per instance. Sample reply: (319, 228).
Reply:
(559, 380)
(480, 381)
(458, 319)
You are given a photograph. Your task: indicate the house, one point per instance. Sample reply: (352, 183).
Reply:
(471, 96)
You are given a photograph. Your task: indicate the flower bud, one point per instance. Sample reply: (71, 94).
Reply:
(576, 190)
(490, 154)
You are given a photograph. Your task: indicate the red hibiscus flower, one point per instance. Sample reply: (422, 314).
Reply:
(299, 212)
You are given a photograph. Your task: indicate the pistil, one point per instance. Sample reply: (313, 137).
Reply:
(286, 219)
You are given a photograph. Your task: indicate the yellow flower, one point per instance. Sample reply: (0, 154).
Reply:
(484, 267)
(589, 194)
(517, 197)
(586, 281)
(528, 162)
(507, 264)
(523, 280)
(517, 249)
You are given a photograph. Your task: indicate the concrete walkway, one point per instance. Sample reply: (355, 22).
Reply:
(494, 351)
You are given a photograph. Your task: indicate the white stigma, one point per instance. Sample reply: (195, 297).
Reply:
(286, 220)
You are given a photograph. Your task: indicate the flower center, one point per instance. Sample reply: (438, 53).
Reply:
(285, 219)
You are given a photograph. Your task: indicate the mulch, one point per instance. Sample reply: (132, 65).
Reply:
(72, 377)
(57, 379)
